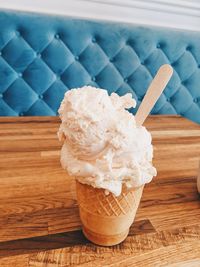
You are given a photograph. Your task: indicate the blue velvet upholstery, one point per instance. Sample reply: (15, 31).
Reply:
(43, 56)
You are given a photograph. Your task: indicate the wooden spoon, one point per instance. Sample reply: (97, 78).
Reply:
(153, 93)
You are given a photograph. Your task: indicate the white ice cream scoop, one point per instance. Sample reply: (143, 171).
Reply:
(104, 147)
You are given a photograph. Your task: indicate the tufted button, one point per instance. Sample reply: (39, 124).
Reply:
(111, 59)
(58, 77)
(1, 95)
(94, 40)
(125, 80)
(129, 42)
(195, 100)
(189, 48)
(76, 58)
(184, 83)
(0, 53)
(173, 64)
(57, 36)
(21, 114)
(17, 33)
(39, 55)
(168, 99)
(41, 96)
(93, 79)
(20, 74)
(158, 45)
(142, 63)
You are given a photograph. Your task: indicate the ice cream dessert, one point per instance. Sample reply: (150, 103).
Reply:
(103, 147)
(110, 158)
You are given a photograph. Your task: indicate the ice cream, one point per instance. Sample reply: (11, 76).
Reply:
(103, 147)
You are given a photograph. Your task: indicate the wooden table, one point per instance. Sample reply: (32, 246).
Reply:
(39, 221)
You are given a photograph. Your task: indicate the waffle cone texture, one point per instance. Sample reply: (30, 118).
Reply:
(106, 219)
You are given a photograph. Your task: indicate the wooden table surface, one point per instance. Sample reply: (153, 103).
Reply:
(39, 221)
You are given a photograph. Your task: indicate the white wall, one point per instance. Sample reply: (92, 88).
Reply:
(184, 14)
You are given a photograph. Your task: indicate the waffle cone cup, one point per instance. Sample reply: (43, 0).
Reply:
(106, 219)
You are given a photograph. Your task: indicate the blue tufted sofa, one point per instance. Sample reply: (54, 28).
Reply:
(43, 56)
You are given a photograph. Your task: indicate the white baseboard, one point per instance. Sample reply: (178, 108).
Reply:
(181, 14)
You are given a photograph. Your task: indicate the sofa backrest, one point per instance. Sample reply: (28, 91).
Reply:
(42, 56)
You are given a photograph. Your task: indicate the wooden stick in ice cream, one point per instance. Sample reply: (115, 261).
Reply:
(154, 91)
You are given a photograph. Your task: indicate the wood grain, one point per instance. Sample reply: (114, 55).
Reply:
(39, 221)
(153, 249)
